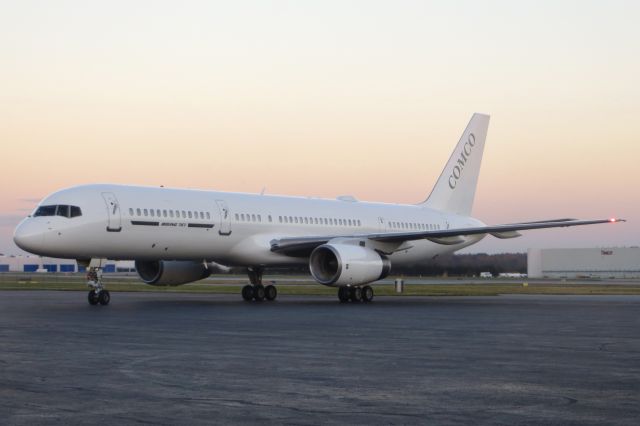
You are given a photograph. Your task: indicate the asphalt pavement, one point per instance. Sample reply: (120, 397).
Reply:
(166, 358)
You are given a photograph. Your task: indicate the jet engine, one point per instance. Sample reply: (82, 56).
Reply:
(171, 272)
(346, 264)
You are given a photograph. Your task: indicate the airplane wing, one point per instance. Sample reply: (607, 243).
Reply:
(303, 246)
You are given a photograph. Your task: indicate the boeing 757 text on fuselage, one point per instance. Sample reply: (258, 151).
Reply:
(177, 236)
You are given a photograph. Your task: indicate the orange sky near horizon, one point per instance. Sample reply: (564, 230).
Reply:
(328, 98)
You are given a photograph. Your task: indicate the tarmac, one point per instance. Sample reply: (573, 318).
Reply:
(170, 358)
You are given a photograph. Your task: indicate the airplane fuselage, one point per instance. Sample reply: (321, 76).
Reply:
(234, 229)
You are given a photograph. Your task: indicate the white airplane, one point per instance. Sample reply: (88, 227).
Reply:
(177, 236)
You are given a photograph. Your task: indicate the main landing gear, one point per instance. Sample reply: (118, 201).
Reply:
(355, 294)
(256, 290)
(98, 294)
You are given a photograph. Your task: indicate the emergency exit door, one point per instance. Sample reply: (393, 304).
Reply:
(114, 221)
(225, 218)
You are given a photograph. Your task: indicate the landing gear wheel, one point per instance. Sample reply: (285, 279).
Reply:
(93, 297)
(343, 294)
(367, 293)
(258, 292)
(270, 292)
(104, 297)
(247, 292)
(355, 294)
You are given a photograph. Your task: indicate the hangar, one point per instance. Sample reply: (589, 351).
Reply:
(48, 264)
(614, 262)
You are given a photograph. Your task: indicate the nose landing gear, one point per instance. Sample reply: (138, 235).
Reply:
(256, 290)
(98, 294)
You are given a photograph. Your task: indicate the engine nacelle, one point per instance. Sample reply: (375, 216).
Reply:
(345, 264)
(171, 272)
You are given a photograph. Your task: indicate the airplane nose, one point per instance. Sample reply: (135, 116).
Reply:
(29, 236)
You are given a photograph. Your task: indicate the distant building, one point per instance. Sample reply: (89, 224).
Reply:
(616, 262)
(48, 264)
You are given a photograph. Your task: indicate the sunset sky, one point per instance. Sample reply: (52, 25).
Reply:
(327, 98)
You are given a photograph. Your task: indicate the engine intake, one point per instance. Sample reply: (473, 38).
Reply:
(346, 264)
(171, 272)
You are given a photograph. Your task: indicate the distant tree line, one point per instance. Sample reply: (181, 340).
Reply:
(447, 265)
(467, 265)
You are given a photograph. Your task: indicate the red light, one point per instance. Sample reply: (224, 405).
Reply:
(612, 220)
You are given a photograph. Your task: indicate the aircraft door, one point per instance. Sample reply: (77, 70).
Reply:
(225, 218)
(114, 223)
(382, 224)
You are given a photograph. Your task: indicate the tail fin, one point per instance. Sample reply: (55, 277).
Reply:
(456, 186)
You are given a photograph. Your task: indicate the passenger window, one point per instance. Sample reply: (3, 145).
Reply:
(146, 212)
(208, 215)
(158, 213)
(170, 213)
(152, 212)
(138, 212)
(270, 219)
(259, 218)
(242, 217)
(253, 217)
(280, 219)
(130, 212)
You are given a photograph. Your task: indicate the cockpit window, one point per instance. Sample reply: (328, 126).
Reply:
(45, 211)
(63, 210)
(75, 211)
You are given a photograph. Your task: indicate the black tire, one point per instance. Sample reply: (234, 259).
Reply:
(92, 297)
(247, 292)
(343, 294)
(367, 293)
(104, 297)
(258, 292)
(355, 294)
(270, 292)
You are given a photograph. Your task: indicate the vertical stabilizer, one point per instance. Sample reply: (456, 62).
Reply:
(456, 186)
